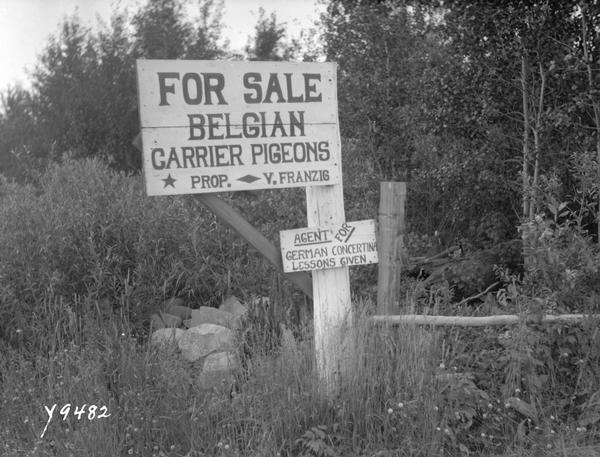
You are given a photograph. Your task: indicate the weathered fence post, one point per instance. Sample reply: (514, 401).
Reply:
(332, 307)
(390, 246)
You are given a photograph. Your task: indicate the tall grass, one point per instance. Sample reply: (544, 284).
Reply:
(85, 258)
(88, 238)
(395, 402)
(157, 407)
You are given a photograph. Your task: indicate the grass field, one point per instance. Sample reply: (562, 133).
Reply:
(398, 402)
(85, 259)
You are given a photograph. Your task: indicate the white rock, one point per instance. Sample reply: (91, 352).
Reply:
(156, 322)
(205, 339)
(232, 305)
(209, 315)
(166, 336)
(170, 320)
(218, 370)
(220, 361)
(175, 307)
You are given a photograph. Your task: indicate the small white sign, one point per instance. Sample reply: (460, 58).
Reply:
(351, 243)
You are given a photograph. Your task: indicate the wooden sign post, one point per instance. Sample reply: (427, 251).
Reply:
(326, 250)
(220, 126)
(332, 307)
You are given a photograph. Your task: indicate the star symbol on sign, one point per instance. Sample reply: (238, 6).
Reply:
(169, 181)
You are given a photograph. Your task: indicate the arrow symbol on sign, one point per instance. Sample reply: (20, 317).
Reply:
(248, 178)
(349, 234)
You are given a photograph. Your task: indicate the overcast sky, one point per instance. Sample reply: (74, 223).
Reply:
(26, 24)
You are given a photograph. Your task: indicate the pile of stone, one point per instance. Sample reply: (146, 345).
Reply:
(204, 336)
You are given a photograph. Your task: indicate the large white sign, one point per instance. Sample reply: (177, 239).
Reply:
(351, 243)
(214, 126)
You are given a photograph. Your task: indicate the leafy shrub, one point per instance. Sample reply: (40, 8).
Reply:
(89, 239)
(562, 265)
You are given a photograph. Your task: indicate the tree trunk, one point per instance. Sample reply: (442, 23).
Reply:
(536, 173)
(526, 127)
(536, 142)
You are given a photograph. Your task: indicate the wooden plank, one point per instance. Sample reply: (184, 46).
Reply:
(269, 251)
(480, 321)
(172, 165)
(318, 248)
(391, 246)
(169, 90)
(332, 309)
(214, 126)
(228, 215)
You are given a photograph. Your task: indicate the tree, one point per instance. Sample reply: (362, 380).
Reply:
(269, 42)
(65, 99)
(208, 30)
(376, 46)
(161, 30)
(117, 93)
(589, 103)
(17, 123)
(401, 101)
(521, 41)
(84, 97)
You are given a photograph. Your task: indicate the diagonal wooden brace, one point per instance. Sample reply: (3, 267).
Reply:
(231, 217)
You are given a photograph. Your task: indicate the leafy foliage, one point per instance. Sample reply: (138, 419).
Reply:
(83, 99)
(268, 40)
(88, 237)
(317, 442)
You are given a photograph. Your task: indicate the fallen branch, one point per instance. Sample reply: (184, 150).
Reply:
(476, 296)
(414, 262)
(469, 321)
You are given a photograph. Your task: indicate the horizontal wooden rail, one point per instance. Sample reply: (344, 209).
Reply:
(468, 321)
